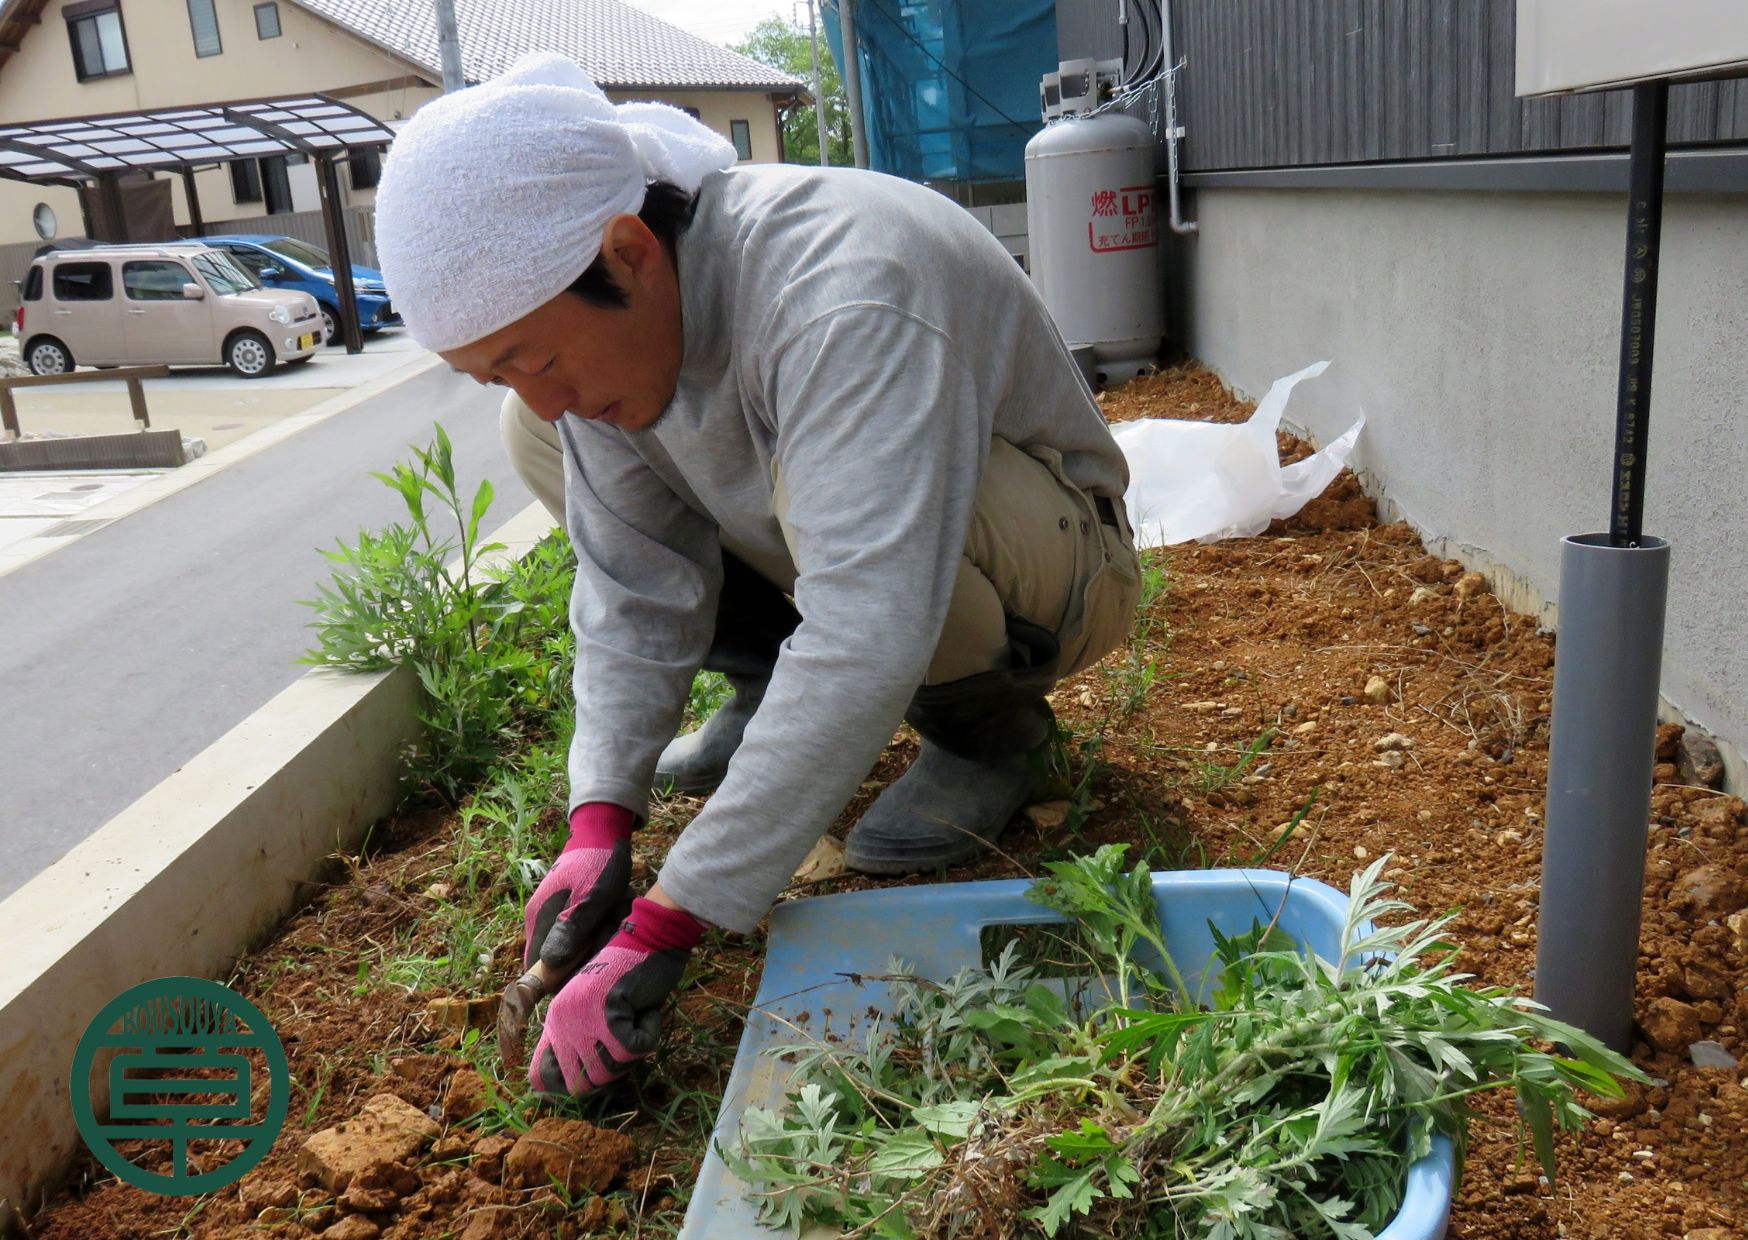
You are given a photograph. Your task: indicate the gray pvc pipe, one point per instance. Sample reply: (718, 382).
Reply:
(1606, 668)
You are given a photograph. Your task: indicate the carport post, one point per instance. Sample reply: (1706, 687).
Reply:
(339, 252)
(191, 191)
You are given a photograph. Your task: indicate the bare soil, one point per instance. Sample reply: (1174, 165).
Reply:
(1263, 650)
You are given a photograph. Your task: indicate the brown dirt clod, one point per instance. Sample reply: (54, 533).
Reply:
(572, 1153)
(386, 1131)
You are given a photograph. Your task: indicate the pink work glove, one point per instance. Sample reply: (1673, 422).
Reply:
(610, 1014)
(585, 894)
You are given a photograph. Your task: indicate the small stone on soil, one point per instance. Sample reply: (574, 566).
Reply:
(1378, 690)
(1047, 816)
(1711, 1055)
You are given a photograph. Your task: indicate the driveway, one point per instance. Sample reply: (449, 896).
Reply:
(125, 653)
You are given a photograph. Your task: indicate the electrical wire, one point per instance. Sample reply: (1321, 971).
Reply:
(1137, 16)
(1153, 42)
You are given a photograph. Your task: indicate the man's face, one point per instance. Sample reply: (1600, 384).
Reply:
(603, 363)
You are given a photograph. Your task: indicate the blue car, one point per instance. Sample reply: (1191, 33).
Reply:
(287, 263)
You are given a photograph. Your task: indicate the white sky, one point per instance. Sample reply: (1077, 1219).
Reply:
(720, 21)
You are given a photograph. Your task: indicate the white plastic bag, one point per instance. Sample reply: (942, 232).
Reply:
(1203, 481)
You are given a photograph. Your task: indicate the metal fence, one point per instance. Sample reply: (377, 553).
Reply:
(307, 226)
(1296, 83)
(14, 262)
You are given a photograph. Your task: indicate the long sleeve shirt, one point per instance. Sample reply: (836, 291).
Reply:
(866, 337)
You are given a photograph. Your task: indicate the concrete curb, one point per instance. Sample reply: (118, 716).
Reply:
(148, 493)
(190, 877)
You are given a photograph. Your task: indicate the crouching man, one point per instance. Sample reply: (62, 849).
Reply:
(812, 429)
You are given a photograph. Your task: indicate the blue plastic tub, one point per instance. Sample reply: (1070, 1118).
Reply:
(814, 943)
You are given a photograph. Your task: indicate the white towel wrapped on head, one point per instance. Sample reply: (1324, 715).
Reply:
(494, 199)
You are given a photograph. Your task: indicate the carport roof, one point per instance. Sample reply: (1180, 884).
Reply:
(89, 147)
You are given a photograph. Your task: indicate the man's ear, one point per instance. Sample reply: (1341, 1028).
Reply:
(632, 251)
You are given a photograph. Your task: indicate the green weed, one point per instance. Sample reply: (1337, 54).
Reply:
(1211, 777)
(1286, 1095)
(492, 650)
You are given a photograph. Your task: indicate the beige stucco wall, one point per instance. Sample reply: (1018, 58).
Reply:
(716, 108)
(39, 83)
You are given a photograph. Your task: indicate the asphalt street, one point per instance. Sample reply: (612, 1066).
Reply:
(127, 652)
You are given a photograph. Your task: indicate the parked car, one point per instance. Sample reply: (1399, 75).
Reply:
(287, 262)
(188, 304)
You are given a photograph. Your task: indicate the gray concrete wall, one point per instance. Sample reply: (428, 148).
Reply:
(1479, 334)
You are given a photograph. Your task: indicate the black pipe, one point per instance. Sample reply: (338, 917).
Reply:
(1639, 311)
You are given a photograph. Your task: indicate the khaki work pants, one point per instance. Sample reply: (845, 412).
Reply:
(1039, 548)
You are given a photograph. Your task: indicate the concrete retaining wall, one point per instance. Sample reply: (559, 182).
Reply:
(1479, 334)
(192, 875)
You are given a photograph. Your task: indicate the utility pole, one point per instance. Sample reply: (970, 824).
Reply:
(818, 90)
(852, 75)
(449, 44)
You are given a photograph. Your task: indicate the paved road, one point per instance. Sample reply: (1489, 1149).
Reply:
(129, 651)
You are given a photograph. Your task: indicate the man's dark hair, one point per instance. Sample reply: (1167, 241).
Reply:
(666, 211)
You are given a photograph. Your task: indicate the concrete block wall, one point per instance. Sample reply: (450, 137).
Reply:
(1479, 333)
(1008, 222)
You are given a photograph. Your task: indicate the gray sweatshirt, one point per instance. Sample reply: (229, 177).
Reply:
(868, 337)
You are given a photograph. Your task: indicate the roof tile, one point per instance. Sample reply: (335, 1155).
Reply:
(619, 45)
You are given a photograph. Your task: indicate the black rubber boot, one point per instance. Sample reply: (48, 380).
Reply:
(696, 763)
(984, 746)
(753, 619)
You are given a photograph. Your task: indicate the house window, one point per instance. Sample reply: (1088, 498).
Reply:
(267, 21)
(203, 21)
(99, 40)
(742, 133)
(245, 181)
(84, 282)
(694, 113)
(366, 167)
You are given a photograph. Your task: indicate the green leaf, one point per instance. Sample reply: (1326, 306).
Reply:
(948, 1119)
(1046, 1006)
(1007, 1025)
(1053, 1068)
(482, 500)
(1073, 1193)
(1540, 1118)
(905, 1155)
(1089, 1141)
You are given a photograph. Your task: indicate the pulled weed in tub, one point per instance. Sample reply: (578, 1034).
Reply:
(1287, 1099)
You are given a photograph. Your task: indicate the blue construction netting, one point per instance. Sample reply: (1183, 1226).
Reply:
(950, 87)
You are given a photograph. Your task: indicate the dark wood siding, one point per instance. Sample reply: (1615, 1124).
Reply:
(1293, 83)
